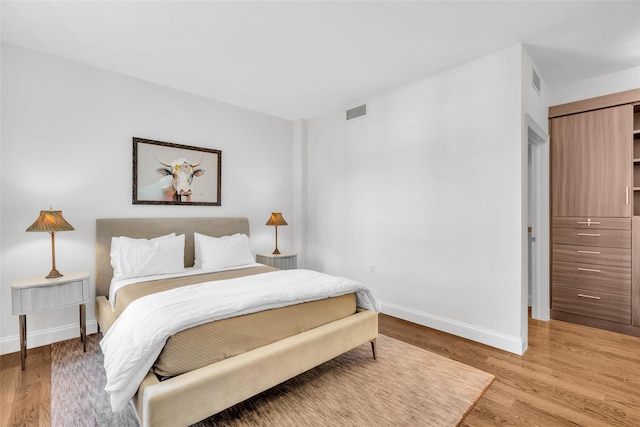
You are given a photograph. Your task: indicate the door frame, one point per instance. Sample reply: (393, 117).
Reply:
(538, 140)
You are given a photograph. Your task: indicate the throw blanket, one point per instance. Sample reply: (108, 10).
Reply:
(137, 337)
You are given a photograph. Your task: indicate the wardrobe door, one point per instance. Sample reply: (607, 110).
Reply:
(591, 163)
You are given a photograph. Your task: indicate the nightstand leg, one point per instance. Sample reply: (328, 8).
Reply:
(22, 319)
(83, 327)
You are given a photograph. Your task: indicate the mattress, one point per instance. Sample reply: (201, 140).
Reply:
(212, 342)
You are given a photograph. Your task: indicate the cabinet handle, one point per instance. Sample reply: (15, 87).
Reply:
(627, 194)
(589, 222)
(588, 296)
(590, 252)
(589, 270)
(590, 234)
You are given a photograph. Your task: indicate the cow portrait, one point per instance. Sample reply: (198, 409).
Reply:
(182, 172)
(175, 184)
(176, 169)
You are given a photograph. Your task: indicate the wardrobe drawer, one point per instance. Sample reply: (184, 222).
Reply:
(599, 278)
(596, 223)
(616, 308)
(602, 238)
(592, 255)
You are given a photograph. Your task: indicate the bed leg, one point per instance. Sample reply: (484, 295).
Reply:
(374, 348)
(98, 326)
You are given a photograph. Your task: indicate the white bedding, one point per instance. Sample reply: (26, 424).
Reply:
(137, 337)
(189, 271)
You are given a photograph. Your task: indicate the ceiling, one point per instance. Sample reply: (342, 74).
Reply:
(301, 59)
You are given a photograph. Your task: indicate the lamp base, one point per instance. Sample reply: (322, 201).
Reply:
(53, 274)
(276, 252)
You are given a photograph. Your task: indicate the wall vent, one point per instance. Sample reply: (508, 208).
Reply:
(357, 112)
(535, 80)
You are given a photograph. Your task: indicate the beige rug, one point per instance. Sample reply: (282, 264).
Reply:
(405, 386)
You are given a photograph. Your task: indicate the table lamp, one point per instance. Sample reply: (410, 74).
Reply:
(276, 220)
(51, 221)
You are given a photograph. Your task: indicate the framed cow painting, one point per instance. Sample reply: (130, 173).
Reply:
(165, 173)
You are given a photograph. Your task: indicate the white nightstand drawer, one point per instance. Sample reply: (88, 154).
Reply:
(282, 261)
(33, 299)
(31, 295)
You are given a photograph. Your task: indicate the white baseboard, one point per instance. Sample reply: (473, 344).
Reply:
(499, 340)
(46, 336)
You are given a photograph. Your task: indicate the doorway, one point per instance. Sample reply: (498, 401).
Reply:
(538, 220)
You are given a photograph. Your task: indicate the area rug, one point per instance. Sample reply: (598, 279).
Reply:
(405, 386)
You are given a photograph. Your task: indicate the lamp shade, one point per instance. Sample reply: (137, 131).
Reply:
(50, 221)
(276, 219)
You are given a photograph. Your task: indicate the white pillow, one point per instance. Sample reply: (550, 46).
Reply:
(197, 262)
(143, 257)
(116, 255)
(222, 252)
(197, 238)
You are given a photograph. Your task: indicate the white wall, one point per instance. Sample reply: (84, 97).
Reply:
(597, 86)
(422, 199)
(299, 176)
(536, 106)
(66, 143)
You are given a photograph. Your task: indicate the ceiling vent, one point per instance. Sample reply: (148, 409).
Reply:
(357, 112)
(535, 80)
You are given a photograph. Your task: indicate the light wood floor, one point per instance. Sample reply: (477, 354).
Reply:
(25, 395)
(571, 375)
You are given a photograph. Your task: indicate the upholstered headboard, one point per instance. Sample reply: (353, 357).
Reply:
(147, 228)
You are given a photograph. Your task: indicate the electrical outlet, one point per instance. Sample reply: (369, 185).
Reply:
(372, 269)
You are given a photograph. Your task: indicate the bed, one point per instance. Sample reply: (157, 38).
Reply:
(191, 396)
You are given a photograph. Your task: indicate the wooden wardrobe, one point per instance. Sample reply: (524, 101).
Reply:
(595, 212)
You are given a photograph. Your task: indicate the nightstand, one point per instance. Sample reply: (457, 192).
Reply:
(37, 294)
(282, 261)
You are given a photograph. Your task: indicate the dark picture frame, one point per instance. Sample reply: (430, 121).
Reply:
(165, 173)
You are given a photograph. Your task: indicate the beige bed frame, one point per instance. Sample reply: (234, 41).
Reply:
(196, 395)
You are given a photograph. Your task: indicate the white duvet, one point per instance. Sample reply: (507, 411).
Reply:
(135, 340)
